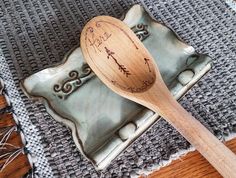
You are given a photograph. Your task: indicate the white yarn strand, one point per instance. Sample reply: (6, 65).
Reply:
(11, 158)
(7, 134)
(3, 146)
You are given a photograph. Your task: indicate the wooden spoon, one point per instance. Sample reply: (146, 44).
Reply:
(122, 62)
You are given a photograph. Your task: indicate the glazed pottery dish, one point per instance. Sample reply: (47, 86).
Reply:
(103, 123)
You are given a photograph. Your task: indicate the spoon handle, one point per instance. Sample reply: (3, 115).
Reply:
(220, 157)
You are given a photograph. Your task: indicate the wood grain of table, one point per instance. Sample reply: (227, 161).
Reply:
(192, 165)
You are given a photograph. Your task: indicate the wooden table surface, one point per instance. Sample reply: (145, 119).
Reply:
(192, 165)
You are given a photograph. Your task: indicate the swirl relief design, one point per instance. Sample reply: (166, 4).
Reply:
(71, 83)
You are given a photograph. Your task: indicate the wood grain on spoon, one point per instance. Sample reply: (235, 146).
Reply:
(122, 62)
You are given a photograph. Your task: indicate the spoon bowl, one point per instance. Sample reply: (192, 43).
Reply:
(116, 47)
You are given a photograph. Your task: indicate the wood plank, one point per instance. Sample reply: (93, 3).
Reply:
(192, 165)
(3, 102)
(6, 120)
(17, 168)
(13, 142)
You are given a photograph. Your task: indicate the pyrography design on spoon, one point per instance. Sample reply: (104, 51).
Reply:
(121, 67)
(97, 37)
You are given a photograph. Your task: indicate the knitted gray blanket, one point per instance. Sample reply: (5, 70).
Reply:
(37, 34)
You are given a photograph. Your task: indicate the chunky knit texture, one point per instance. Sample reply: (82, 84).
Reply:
(37, 34)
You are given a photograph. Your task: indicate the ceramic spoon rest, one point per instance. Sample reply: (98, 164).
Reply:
(103, 123)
